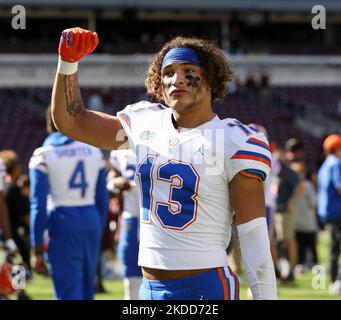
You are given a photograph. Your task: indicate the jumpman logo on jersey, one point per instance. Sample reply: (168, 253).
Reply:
(147, 135)
(201, 150)
(199, 155)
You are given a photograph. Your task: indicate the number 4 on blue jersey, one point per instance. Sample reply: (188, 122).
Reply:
(78, 178)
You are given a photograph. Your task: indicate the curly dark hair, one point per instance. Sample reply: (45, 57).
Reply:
(217, 69)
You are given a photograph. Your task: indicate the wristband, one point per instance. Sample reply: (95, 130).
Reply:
(66, 68)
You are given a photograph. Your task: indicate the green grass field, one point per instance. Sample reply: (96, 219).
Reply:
(41, 288)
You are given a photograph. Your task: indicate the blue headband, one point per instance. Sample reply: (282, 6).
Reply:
(180, 55)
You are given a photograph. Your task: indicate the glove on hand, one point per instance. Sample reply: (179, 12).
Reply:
(75, 43)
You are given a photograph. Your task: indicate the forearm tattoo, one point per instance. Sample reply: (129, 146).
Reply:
(74, 103)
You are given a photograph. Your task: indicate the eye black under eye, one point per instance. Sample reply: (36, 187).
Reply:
(168, 73)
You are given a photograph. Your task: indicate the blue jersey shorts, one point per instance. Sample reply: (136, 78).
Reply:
(217, 284)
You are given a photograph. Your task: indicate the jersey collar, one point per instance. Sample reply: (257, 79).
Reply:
(57, 139)
(170, 125)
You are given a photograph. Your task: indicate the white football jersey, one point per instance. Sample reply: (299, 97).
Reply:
(2, 175)
(124, 161)
(72, 171)
(183, 179)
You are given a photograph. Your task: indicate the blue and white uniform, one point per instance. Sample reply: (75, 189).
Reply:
(69, 198)
(183, 179)
(124, 161)
(329, 182)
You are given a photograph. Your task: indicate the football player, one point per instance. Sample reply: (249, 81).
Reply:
(329, 204)
(194, 170)
(124, 162)
(69, 198)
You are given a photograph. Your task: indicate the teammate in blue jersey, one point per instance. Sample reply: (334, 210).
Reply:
(196, 173)
(124, 163)
(69, 198)
(329, 204)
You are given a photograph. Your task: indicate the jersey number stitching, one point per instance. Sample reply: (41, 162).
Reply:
(78, 178)
(181, 209)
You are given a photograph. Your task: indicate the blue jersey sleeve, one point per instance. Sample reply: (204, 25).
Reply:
(336, 176)
(38, 205)
(102, 196)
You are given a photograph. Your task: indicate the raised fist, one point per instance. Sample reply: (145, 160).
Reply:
(75, 43)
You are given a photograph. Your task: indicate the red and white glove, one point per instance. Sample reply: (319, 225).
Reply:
(75, 43)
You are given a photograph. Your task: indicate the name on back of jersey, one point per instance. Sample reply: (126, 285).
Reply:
(74, 152)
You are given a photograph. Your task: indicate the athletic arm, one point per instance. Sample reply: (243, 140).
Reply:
(68, 111)
(247, 200)
(244, 188)
(39, 185)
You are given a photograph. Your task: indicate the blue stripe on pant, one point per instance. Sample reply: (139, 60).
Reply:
(74, 255)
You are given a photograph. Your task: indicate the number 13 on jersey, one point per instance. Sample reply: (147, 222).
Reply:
(180, 209)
